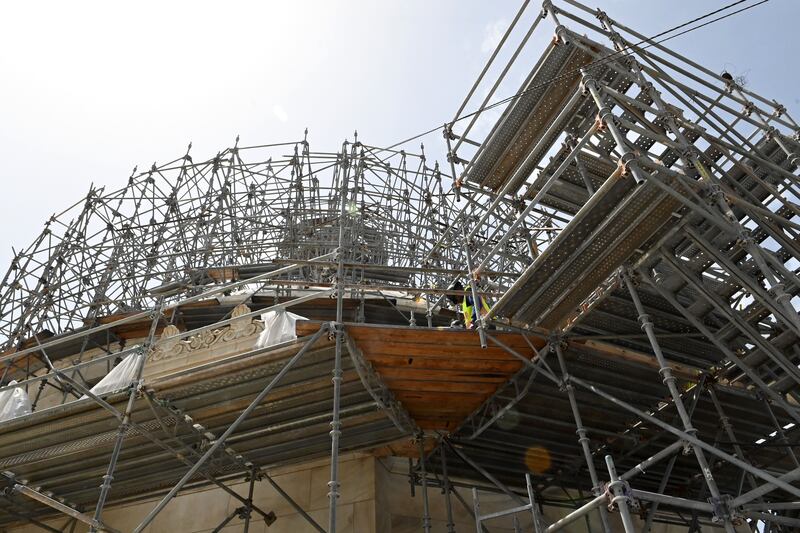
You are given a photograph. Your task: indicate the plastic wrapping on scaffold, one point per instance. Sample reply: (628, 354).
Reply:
(14, 402)
(120, 376)
(279, 326)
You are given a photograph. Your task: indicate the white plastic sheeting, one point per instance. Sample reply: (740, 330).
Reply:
(14, 402)
(278, 327)
(120, 376)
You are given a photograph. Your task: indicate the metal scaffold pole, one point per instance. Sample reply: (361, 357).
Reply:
(583, 437)
(124, 425)
(338, 328)
(426, 513)
(671, 383)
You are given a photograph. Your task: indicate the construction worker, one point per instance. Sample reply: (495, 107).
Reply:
(468, 308)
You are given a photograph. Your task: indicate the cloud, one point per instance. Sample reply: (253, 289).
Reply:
(492, 34)
(280, 113)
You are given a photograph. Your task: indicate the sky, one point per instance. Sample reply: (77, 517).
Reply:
(91, 89)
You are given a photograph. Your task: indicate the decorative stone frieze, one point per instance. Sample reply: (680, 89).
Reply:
(239, 328)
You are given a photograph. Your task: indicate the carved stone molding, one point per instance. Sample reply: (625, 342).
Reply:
(243, 327)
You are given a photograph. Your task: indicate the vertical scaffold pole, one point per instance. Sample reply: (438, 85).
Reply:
(538, 525)
(476, 509)
(619, 497)
(669, 380)
(451, 528)
(426, 514)
(248, 508)
(124, 425)
(651, 512)
(583, 438)
(473, 288)
(333, 484)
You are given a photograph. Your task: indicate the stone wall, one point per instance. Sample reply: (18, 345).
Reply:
(375, 498)
(201, 511)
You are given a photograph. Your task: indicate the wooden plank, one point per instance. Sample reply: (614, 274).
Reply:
(371, 347)
(434, 386)
(433, 424)
(455, 414)
(304, 328)
(431, 342)
(450, 412)
(455, 405)
(406, 335)
(439, 418)
(443, 375)
(380, 361)
(440, 375)
(454, 337)
(435, 396)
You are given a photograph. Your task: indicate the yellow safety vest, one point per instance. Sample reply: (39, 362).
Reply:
(467, 309)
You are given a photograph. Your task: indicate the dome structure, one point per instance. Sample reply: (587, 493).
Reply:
(181, 226)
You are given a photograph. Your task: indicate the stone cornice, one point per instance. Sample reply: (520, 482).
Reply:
(168, 348)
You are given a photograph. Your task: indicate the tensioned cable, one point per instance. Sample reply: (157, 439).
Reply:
(648, 41)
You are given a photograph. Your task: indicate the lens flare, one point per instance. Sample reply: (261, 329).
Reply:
(537, 459)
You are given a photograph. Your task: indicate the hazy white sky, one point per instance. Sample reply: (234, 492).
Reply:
(90, 89)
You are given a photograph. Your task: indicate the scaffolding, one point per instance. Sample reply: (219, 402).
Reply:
(632, 217)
